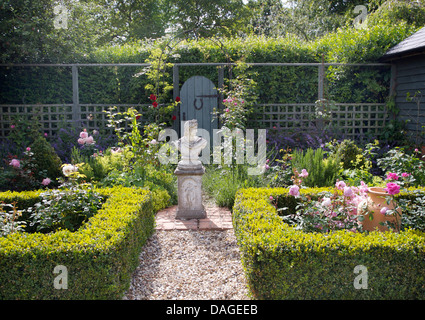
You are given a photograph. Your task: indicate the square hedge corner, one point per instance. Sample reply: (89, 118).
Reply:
(281, 262)
(97, 260)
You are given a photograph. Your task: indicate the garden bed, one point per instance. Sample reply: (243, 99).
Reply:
(99, 257)
(281, 262)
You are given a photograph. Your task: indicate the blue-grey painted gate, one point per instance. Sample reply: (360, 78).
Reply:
(198, 99)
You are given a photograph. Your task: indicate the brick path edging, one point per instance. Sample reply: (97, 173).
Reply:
(217, 219)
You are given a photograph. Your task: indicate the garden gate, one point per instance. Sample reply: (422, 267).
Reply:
(199, 98)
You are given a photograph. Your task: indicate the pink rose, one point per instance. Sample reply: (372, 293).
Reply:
(405, 174)
(326, 202)
(340, 185)
(348, 192)
(84, 135)
(227, 110)
(46, 182)
(392, 188)
(294, 191)
(363, 187)
(304, 173)
(28, 149)
(90, 140)
(15, 163)
(392, 176)
(81, 141)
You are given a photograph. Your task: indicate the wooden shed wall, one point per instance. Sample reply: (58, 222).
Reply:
(411, 78)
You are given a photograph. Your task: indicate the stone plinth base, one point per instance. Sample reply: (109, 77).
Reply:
(189, 181)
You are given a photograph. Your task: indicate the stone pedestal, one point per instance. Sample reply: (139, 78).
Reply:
(189, 174)
(190, 192)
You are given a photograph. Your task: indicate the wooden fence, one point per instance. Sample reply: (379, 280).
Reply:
(353, 119)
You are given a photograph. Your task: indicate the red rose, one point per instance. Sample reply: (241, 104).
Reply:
(155, 104)
(137, 117)
(174, 118)
(177, 99)
(152, 97)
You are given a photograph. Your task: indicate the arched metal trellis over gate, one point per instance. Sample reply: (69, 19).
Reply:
(352, 118)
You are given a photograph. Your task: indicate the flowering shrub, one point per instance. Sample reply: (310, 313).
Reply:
(397, 162)
(25, 173)
(85, 138)
(240, 98)
(334, 211)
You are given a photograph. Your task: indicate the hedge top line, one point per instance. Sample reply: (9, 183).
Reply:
(313, 64)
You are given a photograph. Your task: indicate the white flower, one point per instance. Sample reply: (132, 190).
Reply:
(68, 169)
(154, 141)
(326, 202)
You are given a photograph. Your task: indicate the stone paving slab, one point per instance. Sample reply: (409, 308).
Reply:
(217, 219)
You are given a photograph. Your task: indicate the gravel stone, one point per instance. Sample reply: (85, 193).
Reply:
(189, 265)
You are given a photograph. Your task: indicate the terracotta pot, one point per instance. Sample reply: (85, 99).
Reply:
(374, 203)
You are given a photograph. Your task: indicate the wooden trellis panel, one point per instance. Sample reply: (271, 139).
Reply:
(51, 117)
(353, 119)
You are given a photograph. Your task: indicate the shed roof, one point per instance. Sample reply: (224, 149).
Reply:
(415, 44)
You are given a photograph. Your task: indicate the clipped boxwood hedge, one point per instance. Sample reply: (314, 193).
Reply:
(100, 257)
(281, 262)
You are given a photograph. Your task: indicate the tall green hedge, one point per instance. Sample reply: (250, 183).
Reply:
(275, 84)
(100, 257)
(281, 262)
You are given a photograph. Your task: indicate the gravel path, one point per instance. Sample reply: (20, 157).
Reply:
(189, 265)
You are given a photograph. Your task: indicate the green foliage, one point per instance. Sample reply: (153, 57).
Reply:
(350, 155)
(281, 262)
(9, 219)
(273, 84)
(100, 256)
(399, 161)
(240, 98)
(156, 180)
(30, 35)
(45, 158)
(222, 183)
(322, 171)
(64, 209)
(394, 11)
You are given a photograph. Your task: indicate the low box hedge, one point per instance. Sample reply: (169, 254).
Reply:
(282, 262)
(99, 257)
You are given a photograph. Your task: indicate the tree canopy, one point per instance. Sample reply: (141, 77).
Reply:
(68, 30)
